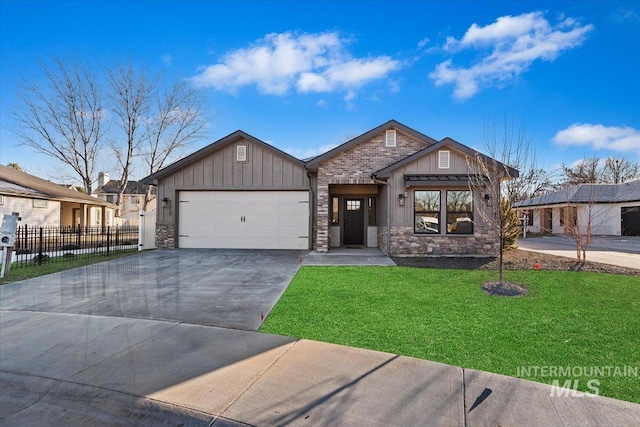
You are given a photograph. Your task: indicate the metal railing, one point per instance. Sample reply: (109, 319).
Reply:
(36, 245)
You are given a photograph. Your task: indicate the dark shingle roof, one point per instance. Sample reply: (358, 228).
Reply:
(111, 187)
(585, 193)
(18, 183)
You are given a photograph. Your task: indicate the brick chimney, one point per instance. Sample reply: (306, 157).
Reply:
(103, 178)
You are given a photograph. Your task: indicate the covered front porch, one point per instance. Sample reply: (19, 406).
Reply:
(354, 212)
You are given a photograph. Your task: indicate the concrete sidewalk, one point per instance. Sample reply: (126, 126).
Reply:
(77, 370)
(623, 251)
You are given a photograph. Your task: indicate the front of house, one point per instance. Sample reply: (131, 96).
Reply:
(607, 209)
(45, 204)
(392, 188)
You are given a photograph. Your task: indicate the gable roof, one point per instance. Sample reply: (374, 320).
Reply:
(17, 183)
(229, 139)
(313, 163)
(111, 187)
(446, 142)
(588, 193)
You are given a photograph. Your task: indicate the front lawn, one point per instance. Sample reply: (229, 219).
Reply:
(568, 319)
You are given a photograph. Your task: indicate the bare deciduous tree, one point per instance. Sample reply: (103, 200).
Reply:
(593, 170)
(176, 121)
(63, 116)
(130, 98)
(617, 171)
(495, 180)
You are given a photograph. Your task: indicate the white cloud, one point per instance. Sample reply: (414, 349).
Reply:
(422, 43)
(622, 15)
(599, 137)
(513, 44)
(279, 63)
(322, 104)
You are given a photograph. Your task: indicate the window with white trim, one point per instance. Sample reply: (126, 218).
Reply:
(241, 153)
(40, 203)
(1, 199)
(443, 159)
(390, 139)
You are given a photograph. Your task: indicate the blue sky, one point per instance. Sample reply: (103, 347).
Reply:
(305, 76)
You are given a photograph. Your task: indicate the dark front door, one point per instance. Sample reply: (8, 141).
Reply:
(353, 222)
(630, 221)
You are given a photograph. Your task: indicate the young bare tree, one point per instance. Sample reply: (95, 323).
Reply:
(130, 93)
(494, 179)
(176, 121)
(62, 116)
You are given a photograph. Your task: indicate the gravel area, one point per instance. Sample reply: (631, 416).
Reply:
(514, 260)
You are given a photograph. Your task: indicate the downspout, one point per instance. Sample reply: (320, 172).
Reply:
(388, 237)
(312, 210)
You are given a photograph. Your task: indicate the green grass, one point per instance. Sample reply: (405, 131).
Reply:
(22, 271)
(567, 319)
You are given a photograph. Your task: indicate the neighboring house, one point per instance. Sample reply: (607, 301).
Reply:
(132, 199)
(43, 203)
(392, 188)
(614, 209)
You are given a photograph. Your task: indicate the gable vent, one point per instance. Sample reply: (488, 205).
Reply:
(443, 159)
(390, 138)
(241, 153)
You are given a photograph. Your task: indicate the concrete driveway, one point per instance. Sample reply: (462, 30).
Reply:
(85, 347)
(623, 251)
(226, 288)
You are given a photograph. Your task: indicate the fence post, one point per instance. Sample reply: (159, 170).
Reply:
(40, 254)
(108, 238)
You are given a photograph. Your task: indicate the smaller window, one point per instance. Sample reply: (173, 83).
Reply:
(562, 214)
(390, 138)
(111, 198)
(353, 205)
(530, 218)
(241, 153)
(39, 203)
(372, 211)
(1, 200)
(443, 159)
(334, 210)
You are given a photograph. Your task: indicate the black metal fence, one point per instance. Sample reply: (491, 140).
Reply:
(37, 245)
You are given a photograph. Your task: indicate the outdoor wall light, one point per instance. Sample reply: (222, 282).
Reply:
(401, 198)
(165, 202)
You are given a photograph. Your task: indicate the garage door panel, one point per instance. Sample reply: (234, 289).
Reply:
(272, 219)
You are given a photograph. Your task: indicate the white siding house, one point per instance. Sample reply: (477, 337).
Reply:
(613, 209)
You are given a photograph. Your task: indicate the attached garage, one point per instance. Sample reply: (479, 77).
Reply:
(243, 219)
(237, 193)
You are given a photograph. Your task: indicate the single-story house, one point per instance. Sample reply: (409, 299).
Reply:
(614, 209)
(43, 203)
(132, 199)
(392, 187)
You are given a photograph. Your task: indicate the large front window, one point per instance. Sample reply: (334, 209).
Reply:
(426, 212)
(459, 212)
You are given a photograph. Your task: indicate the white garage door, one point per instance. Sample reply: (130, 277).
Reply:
(244, 219)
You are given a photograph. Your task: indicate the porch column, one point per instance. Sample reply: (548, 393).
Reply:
(322, 217)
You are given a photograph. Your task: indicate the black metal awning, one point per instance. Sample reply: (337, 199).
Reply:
(436, 180)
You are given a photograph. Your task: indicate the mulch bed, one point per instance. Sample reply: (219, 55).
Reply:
(514, 260)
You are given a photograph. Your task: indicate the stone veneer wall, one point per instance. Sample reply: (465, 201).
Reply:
(355, 166)
(405, 242)
(165, 236)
